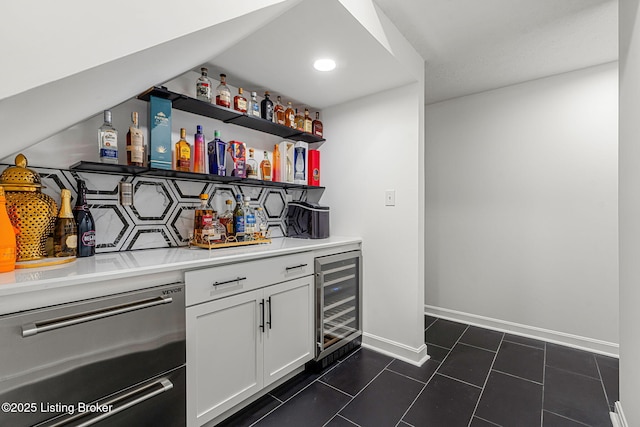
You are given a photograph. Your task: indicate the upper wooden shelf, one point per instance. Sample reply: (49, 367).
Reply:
(227, 115)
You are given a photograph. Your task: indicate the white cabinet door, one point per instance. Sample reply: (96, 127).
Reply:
(288, 342)
(224, 354)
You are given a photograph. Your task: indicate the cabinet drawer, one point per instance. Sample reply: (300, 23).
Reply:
(225, 280)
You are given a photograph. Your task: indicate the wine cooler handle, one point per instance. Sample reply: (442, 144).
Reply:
(269, 322)
(262, 315)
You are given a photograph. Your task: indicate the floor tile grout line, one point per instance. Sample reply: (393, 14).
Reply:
(574, 372)
(346, 419)
(358, 393)
(459, 380)
(475, 346)
(604, 389)
(485, 420)
(526, 345)
(520, 378)
(544, 373)
(336, 389)
(279, 400)
(406, 376)
(414, 401)
(566, 418)
(436, 345)
(495, 356)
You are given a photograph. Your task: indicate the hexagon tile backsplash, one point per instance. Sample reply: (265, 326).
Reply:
(162, 212)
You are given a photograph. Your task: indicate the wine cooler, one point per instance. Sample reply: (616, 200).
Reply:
(338, 305)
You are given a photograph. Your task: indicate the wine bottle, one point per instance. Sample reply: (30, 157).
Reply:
(85, 225)
(65, 235)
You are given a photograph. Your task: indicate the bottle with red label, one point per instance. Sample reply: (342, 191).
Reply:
(223, 94)
(203, 86)
(240, 102)
(85, 224)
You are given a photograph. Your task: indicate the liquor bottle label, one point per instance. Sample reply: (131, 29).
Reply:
(224, 99)
(89, 238)
(239, 224)
(242, 105)
(109, 145)
(137, 146)
(204, 90)
(71, 241)
(307, 126)
(256, 110)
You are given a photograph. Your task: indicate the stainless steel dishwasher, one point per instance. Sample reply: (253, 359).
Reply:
(112, 361)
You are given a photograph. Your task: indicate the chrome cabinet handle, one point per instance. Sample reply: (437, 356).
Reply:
(269, 322)
(236, 280)
(147, 392)
(295, 267)
(31, 329)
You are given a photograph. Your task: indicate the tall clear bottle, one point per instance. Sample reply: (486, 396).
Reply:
(239, 219)
(223, 94)
(203, 86)
(85, 224)
(261, 221)
(65, 234)
(254, 106)
(266, 107)
(278, 112)
(249, 220)
(108, 141)
(136, 152)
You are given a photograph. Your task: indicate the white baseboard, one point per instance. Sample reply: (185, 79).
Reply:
(563, 338)
(617, 417)
(415, 356)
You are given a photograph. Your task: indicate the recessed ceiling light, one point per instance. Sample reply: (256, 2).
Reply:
(324, 64)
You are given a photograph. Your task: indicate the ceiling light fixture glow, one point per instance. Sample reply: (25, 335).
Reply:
(324, 64)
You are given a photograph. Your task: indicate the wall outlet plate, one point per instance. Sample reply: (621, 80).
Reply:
(390, 198)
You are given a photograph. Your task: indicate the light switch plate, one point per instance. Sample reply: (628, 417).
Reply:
(390, 198)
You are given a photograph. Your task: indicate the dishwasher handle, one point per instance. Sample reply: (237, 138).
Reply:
(32, 329)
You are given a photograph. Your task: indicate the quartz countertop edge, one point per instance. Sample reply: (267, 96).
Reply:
(128, 264)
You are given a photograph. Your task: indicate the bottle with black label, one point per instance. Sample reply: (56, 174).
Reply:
(84, 222)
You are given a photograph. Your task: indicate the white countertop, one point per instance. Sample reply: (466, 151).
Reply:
(130, 264)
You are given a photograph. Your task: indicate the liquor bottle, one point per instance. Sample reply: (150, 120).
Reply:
(249, 220)
(266, 107)
(299, 121)
(252, 166)
(254, 107)
(265, 166)
(240, 102)
(214, 232)
(183, 153)
(261, 221)
(216, 150)
(203, 216)
(308, 123)
(239, 219)
(7, 237)
(65, 234)
(289, 169)
(278, 112)
(203, 86)
(275, 170)
(226, 219)
(136, 152)
(317, 126)
(290, 116)
(223, 94)
(108, 141)
(199, 164)
(84, 222)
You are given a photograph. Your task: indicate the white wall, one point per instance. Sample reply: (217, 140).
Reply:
(374, 144)
(629, 178)
(521, 223)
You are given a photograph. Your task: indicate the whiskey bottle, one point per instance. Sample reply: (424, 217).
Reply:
(290, 116)
(317, 126)
(266, 107)
(251, 166)
(253, 109)
(203, 86)
(265, 167)
(84, 223)
(199, 156)
(223, 94)
(275, 174)
(299, 121)
(240, 102)
(239, 219)
(203, 216)
(308, 123)
(65, 234)
(278, 112)
(226, 219)
(183, 153)
(135, 143)
(108, 141)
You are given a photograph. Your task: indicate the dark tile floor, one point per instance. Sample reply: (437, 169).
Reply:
(475, 378)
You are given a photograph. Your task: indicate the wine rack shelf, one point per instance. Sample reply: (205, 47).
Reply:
(227, 115)
(190, 176)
